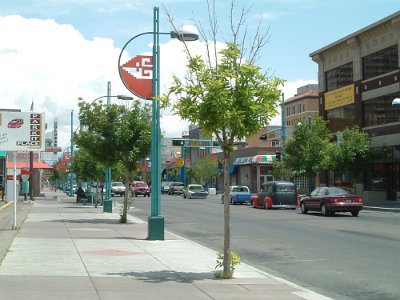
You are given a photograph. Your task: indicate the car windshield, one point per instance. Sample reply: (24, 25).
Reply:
(240, 189)
(117, 184)
(338, 191)
(285, 187)
(178, 183)
(141, 184)
(195, 188)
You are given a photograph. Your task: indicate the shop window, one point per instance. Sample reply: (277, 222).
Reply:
(376, 178)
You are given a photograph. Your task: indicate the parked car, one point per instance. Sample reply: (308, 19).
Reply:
(194, 191)
(176, 188)
(165, 187)
(276, 194)
(329, 200)
(238, 194)
(118, 188)
(140, 188)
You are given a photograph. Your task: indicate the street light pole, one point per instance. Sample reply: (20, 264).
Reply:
(71, 174)
(283, 137)
(139, 88)
(156, 220)
(107, 204)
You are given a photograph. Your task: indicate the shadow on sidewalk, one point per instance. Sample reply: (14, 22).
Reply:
(167, 276)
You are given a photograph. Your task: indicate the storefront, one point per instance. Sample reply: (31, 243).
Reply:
(252, 171)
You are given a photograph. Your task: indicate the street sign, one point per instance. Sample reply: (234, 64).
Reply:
(22, 131)
(137, 76)
(179, 162)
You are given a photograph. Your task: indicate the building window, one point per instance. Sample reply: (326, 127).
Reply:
(275, 144)
(341, 118)
(379, 111)
(381, 62)
(339, 77)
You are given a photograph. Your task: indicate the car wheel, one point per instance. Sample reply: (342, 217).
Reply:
(303, 208)
(324, 210)
(190, 196)
(184, 196)
(232, 202)
(354, 213)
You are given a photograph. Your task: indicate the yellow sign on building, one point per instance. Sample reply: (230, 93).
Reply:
(339, 97)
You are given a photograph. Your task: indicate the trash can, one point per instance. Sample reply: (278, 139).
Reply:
(212, 191)
(89, 198)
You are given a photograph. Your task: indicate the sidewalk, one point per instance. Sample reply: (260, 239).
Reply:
(64, 250)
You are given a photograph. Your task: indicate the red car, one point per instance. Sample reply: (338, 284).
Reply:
(329, 200)
(16, 123)
(140, 188)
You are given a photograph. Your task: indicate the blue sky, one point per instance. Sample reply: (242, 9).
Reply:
(55, 51)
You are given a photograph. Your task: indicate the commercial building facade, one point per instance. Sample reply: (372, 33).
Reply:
(358, 78)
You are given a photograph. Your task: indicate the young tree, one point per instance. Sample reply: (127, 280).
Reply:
(114, 134)
(86, 167)
(228, 97)
(306, 151)
(205, 168)
(353, 152)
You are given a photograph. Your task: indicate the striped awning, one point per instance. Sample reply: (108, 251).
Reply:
(255, 160)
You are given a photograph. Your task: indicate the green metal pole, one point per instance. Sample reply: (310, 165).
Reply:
(71, 175)
(107, 205)
(310, 179)
(283, 126)
(156, 221)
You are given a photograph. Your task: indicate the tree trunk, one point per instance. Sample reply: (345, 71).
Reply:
(96, 193)
(124, 218)
(227, 272)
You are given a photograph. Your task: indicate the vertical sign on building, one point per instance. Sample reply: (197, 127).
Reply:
(55, 133)
(35, 133)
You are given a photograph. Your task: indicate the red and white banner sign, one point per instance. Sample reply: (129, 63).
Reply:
(137, 75)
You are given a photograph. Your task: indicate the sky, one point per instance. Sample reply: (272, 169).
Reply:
(54, 51)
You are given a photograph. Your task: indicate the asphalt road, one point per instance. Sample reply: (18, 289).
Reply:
(342, 257)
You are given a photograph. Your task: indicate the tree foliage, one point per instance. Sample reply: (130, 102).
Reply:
(305, 151)
(85, 166)
(115, 135)
(204, 169)
(353, 152)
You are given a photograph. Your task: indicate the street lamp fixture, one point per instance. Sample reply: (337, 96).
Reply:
(138, 87)
(396, 102)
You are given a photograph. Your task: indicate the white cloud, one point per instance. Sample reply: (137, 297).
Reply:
(53, 65)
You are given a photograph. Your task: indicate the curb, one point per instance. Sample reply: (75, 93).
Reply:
(386, 209)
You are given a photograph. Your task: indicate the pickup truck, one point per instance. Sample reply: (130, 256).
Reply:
(238, 194)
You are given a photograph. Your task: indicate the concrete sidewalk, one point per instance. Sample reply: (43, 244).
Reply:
(64, 250)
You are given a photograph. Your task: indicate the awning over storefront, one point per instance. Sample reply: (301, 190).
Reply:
(23, 164)
(255, 160)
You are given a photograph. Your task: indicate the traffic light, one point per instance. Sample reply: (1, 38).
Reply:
(278, 155)
(178, 142)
